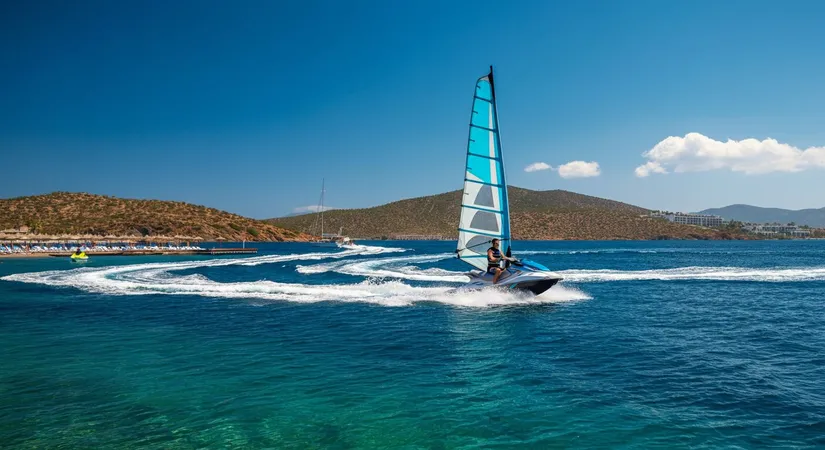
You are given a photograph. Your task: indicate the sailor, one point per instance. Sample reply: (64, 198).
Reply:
(494, 259)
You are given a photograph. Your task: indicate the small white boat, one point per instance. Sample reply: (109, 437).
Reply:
(344, 241)
(485, 209)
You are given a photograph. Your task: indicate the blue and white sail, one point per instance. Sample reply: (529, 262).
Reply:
(485, 212)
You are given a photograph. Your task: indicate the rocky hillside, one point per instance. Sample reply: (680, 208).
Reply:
(535, 215)
(80, 213)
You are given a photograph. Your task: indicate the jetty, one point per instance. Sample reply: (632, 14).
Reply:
(418, 237)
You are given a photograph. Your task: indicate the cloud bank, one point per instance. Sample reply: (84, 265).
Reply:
(536, 166)
(696, 152)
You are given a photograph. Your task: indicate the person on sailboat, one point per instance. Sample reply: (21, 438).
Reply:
(494, 258)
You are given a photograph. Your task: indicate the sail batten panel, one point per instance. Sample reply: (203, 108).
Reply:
(484, 208)
(482, 195)
(483, 143)
(484, 182)
(481, 221)
(483, 171)
(465, 205)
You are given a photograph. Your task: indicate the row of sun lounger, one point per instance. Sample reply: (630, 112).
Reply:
(8, 249)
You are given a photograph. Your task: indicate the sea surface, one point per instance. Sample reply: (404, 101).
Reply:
(659, 344)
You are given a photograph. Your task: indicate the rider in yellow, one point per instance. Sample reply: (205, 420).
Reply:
(79, 254)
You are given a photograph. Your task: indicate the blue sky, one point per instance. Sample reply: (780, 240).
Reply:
(245, 106)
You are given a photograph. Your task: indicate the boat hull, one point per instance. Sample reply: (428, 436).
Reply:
(535, 282)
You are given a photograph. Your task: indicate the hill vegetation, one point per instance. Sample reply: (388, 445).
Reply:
(80, 213)
(535, 215)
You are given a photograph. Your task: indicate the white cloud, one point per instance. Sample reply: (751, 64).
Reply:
(648, 168)
(579, 169)
(536, 166)
(309, 209)
(696, 152)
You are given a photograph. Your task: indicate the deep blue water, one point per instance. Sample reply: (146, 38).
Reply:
(645, 344)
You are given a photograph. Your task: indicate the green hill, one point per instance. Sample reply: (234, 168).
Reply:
(80, 213)
(548, 215)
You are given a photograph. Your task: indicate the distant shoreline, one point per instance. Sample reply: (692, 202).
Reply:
(58, 255)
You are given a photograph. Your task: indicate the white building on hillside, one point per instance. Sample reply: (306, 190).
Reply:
(777, 228)
(701, 220)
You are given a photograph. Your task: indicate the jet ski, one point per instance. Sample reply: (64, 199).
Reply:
(79, 257)
(521, 275)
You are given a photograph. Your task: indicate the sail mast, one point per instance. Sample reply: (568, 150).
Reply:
(506, 201)
(321, 207)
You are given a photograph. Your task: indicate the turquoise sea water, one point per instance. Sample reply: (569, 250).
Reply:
(645, 344)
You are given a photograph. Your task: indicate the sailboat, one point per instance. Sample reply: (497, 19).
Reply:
(322, 239)
(327, 239)
(485, 209)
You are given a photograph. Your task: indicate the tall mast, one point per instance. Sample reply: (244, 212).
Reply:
(503, 180)
(492, 84)
(322, 207)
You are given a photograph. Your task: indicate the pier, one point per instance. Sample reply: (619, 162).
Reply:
(417, 237)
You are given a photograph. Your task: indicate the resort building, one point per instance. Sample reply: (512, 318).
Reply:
(776, 228)
(701, 220)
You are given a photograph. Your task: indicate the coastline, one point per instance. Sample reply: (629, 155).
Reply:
(66, 254)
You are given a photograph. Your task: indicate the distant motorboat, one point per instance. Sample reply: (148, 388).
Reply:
(345, 242)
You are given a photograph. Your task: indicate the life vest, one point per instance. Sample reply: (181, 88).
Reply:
(496, 257)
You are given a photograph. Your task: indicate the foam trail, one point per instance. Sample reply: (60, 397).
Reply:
(154, 280)
(391, 268)
(137, 275)
(161, 279)
(594, 251)
(774, 275)
(499, 297)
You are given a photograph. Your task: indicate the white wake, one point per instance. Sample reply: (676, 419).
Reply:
(771, 275)
(161, 278)
(397, 267)
(383, 280)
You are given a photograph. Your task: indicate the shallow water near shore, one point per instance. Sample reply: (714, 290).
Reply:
(644, 344)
